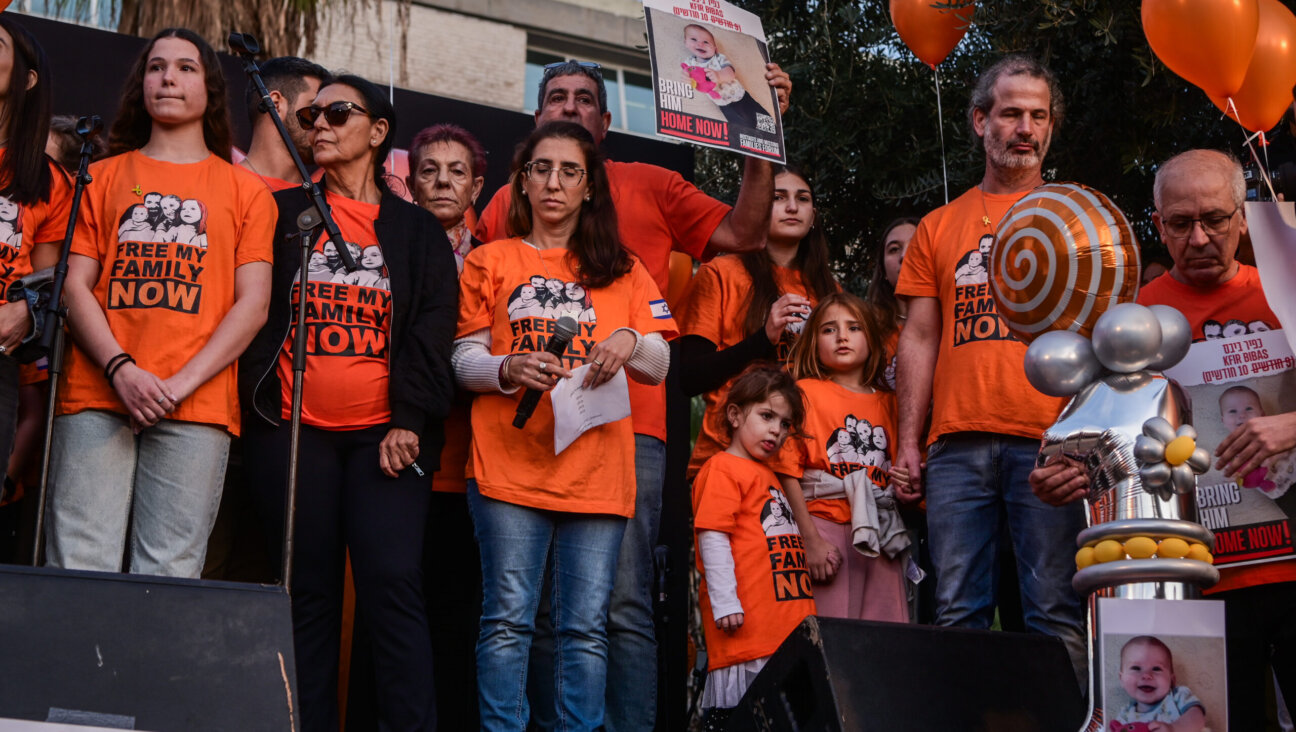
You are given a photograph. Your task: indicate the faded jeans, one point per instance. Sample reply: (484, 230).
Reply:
(165, 482)
(971, 478)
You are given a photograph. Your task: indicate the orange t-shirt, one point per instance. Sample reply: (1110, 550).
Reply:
(1219, 309)
(1220, 312)
(167, 277)
(845, 431)
(980, 383)
(714, 308)
(21, 229)
(500, 289)
(742, 498)
(348, 326)
(657, 212)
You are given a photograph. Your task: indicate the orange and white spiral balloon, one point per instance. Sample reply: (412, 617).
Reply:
(1062, 255)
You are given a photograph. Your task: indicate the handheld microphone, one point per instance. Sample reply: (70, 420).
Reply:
(564, 330)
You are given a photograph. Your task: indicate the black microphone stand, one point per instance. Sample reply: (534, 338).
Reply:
(306, 222)
(246, 47)
(52, 340)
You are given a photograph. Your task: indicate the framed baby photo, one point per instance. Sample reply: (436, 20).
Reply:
(708, 68)
(1162, 663)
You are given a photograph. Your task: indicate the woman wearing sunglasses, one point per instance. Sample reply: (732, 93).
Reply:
(149, 402)
(376, 389)
(529, 505)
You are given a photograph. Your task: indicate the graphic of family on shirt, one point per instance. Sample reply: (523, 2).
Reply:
(1213, 329)
(974, 267)
(10, 227)
(860, 444)
(165, 218)
(326, 266)
(548, 297)
(776, 515)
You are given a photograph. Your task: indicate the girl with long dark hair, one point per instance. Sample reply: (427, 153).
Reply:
(751, 307)
(149, 401)
(34, 195)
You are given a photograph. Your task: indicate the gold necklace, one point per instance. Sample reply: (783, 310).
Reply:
(984, 208)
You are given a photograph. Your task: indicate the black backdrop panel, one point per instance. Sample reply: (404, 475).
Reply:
(90, 66)
(856, 676)
(172, 654)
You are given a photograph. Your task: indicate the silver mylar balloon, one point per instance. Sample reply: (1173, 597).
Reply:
(1155, 475)
(1200, 461)
(1160, 428)
(1176, 337)
(1061, 363)
(1148, 449)
(1183, 478)
(1127, 337)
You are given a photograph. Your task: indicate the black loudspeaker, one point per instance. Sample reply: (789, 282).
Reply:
(149, 653)
(851, 675)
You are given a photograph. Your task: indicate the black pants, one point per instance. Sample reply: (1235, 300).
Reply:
(345, 502)
(741, 114)
(1260, 632)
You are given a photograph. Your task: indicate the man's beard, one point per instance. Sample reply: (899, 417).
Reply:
(999, 154)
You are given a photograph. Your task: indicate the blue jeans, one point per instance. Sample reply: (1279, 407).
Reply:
(165, 482)
(972, 478)
(515, 542)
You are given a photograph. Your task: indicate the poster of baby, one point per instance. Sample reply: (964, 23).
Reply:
(1238, 373)
(708, 70)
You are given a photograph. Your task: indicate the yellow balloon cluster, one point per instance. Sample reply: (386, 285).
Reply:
(1141, 547)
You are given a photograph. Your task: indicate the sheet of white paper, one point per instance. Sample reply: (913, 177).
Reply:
(577, 410)
(1273, 237)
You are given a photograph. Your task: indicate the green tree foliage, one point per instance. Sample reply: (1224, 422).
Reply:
(864, 121)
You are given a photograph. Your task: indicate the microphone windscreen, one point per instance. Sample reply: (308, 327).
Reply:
(309, 219)
(566, 328)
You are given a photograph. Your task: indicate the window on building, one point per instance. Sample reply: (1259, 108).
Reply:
(95, 13)
(630, 93)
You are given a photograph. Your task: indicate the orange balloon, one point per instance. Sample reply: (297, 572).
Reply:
(1267, 90)
(930, 32)
(1063, 254)
(1207, 42)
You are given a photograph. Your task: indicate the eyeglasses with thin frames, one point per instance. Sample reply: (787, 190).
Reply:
(539, 171)
(1215, 225)
(336, 114)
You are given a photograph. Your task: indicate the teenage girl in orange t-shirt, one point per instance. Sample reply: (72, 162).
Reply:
(755, 587)
(750, 307)
(149, 402)
(839, 363)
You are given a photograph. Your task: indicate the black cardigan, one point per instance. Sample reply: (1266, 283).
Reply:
(425, 308)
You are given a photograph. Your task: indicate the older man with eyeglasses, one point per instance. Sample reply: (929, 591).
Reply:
(1198, 196)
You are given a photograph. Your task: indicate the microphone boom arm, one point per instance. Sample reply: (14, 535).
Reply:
(246, 47)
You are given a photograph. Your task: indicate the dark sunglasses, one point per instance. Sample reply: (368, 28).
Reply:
(336, 114)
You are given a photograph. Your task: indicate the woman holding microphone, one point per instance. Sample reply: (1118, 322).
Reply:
(529, 506)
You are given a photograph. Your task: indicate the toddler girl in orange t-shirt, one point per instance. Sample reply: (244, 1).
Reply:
(755, 587)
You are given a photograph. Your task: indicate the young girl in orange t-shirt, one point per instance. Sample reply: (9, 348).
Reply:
(149, 398)
(750, 307)
(755, 587)
(855, 556)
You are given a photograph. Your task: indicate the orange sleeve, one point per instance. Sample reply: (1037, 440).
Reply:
(917, 273)
(256, 232)
(691, 215)
(476, 295)
(492, 224)
(704, 305)
(86, 240)
(791, 458)
(649, 312)
(717, 500)
(53, 227)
